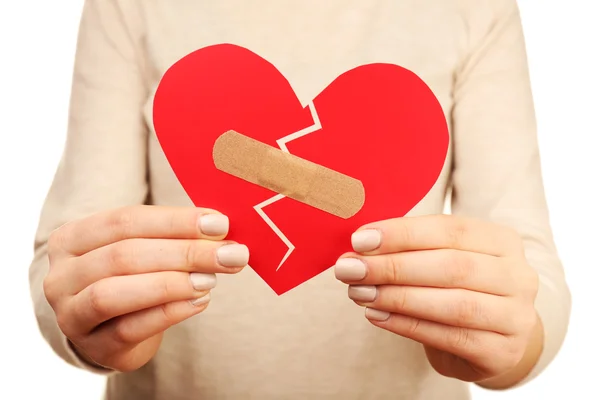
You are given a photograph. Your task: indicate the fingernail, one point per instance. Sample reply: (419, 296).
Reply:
(362, 293)
(203, 281)
(366, 240)
(202, 300)
(376, 315)
(214, 224)
(350, 269)
(233, 255)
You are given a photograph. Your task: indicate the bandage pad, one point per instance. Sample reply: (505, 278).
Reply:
(289, 175)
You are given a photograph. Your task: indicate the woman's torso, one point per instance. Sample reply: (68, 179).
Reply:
(312, 342)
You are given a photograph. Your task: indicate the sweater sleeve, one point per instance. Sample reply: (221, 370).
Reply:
(496, 162)
(103, 164)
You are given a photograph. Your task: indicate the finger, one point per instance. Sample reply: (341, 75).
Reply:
(443, 268)
(116, 296)
(473, 345)
(131, 329)
(454, 307)
(107, 227)
(139, 256)
(435, 232)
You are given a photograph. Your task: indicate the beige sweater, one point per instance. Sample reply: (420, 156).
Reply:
(312, 343)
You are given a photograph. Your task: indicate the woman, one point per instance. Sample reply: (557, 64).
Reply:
(478, 296)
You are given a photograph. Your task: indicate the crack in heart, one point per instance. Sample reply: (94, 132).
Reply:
(380, 124)
(315, 127)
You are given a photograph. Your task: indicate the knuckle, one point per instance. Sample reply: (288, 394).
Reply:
(405, 234)
(55, 241)
(512, 360)
(413, 326)
(49, 289)
(121, 221)
(394, 271)
(168, 315)
(123, 332)
(456, 231)
(121, 256)
(521, 275)
(513, 319)
(400, 300)
(459, 338)
(63, 322)
(167, 289)
(52, 263)
(520, 316)
(460, 269)
(97, 299)
(190, 253)
(467, 311)
(513, 352)
(174, 221)
(526, 320)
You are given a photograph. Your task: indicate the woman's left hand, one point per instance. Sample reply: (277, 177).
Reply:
(461, 287)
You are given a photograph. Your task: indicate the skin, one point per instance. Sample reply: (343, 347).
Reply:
(119, 279)
(462, 288)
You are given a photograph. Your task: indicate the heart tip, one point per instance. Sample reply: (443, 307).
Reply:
(280, 291)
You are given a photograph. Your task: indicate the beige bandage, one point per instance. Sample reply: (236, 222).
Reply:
(289, 175)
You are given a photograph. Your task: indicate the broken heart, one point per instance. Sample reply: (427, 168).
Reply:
(378, 123)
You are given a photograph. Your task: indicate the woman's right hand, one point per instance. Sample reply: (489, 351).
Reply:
(119, 279)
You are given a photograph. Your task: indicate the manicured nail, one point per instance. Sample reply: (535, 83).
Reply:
(362, 293)
(350, 269)
(214, 224)
(202, 300)
(233, 255)
(203, 281)
(376, 315)
(366, 240)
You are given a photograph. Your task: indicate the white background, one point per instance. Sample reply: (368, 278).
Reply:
(36, 57)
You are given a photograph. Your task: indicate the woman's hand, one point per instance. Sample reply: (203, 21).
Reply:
(118, 279)
(460, 287)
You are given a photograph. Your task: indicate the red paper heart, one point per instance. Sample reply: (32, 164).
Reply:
(380, 123)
